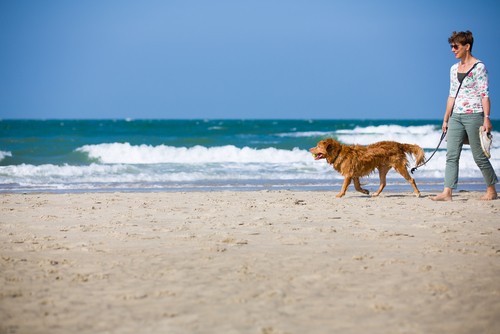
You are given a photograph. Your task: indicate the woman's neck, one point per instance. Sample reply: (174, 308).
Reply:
(467, 60)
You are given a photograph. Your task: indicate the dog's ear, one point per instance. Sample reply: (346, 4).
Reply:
(331, 145)
(333, 149)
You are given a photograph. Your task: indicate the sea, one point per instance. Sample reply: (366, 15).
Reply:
(134, 155)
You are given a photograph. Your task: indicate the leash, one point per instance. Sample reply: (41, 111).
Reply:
(444, 133)
(440, 141)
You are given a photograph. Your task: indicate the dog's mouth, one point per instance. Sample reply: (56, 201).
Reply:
(319, 156)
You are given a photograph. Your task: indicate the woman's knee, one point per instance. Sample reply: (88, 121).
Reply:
(482, 162)
(452, 156)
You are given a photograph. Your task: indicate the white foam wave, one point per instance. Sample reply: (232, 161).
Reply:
(398, 129)
(467, 167)
(147, 154)
(61, 176)
(121, 165)
(124, 175)
(10, 173)
(306, 134)
(426, 136)
(4, 154)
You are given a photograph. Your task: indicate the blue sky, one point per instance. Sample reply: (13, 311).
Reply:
(237, 59)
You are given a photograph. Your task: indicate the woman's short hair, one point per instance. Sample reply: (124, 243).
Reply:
(462, 37)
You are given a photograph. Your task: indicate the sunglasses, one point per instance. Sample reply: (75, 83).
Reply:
(454, 46)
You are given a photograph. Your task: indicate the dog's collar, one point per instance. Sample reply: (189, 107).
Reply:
(334, 159)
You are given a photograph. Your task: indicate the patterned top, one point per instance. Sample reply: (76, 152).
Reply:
(474, 88)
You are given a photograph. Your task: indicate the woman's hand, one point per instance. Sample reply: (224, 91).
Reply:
(445, 126)
(486, 109)
(487, 125)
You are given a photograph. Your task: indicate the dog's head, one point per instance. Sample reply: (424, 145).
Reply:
(326, 149)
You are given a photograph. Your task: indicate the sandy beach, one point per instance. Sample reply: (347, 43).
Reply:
(260, 262)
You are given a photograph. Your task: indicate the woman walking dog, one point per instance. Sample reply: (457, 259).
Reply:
(467, 109)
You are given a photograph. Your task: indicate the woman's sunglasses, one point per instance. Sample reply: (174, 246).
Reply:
(454, 46)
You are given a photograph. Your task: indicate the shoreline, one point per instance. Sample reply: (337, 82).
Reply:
(279, 261)
(393, 185)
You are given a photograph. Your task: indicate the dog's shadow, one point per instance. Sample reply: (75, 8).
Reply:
(382, 196)
(397, 196)
(401, 196)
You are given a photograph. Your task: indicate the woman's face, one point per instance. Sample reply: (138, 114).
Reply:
(459, 50)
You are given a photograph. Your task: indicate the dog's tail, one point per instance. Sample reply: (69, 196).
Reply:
(417, 152)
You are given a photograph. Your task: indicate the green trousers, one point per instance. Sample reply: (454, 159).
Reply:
(459, 126)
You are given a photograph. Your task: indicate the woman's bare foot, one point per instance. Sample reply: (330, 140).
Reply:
(491, 194)
(441, 197)
(444, 196)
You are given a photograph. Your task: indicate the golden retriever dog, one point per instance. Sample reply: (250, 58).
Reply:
(356, 161)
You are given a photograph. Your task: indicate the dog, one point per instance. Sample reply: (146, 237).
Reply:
(356, 161)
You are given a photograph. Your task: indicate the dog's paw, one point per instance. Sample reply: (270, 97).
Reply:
(340, 195)
(417, 195)
(374, 195)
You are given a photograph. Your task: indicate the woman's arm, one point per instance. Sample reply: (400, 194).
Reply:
(447, 114)
(486, 109)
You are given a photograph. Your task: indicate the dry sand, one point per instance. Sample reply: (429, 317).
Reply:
(262, 262)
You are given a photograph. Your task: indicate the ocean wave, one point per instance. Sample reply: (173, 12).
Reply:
(426, 136)
(148, 154)
(396, 129)
(306, 134)
(4, 154)
(31, 175)
(263, 154)
(59, 172)
(379, 129)
(158, 175)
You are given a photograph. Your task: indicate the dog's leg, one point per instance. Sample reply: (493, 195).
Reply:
(346, 184)
(382, 173)
(357, 186)
(404, 172)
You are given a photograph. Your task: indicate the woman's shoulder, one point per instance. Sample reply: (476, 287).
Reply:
(480, 64)
(480, 67)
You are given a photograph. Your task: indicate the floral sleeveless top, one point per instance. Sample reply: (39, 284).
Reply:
(474, 88)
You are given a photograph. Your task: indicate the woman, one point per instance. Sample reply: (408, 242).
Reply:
(471, 109)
